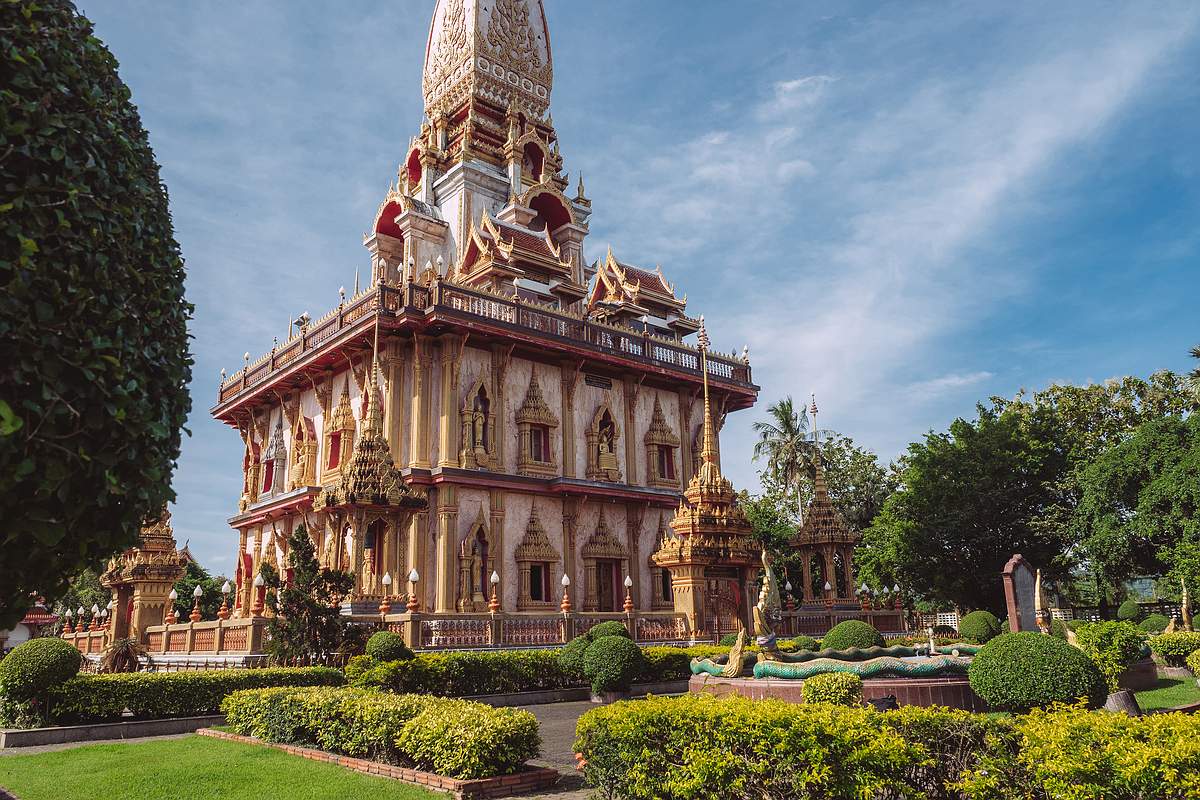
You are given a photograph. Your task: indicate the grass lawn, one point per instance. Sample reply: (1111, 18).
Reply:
(1169, 693)
(196, 767)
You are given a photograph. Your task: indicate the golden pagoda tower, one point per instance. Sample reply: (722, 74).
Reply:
(711, 553)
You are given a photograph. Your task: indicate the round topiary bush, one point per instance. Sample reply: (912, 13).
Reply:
(1020, 671)
(838, 688)
(570, 658)
(94, 364)
(388, 646)
(610, 628)
(852, 633)
(612, 664)
(1058, 629)
(805, 643)
(1155, 623)
(979, 627)
(37, 665)
(1129, 611)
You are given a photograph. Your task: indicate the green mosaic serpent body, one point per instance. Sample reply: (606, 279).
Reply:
(888, 666)
(865, 662)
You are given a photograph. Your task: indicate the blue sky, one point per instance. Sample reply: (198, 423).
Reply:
(902, 208)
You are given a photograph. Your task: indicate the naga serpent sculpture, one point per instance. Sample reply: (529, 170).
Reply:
(865, 662)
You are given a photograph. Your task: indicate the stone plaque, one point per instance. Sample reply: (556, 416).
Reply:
(1019, 581)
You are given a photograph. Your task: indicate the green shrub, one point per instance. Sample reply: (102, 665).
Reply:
(979, 627)
(674, 663)
(470, 740)
(1193, 662)
(37, 665)
(612, 664)
(728, 640)
(1174, 648)
(570, 658)
(388, 646)
(1154, 623)
(358, 666)
(1058, 629)
(805, 643)
(460, 674)
(1075, 624)
(944, 630)
(152, 695)
(852, 633)
(1020, 671)
(697, 746)
(1112, 647)
(455, 738)
(838, 688)
(1129, 611)
(609, 628)
(1075, 753)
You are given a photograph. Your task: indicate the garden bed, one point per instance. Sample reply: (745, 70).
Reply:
(527, 780)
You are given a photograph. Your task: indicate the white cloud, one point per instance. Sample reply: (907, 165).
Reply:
(949, 382)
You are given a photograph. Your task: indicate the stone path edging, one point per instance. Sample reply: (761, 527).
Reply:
(528, 780)
(36, 737)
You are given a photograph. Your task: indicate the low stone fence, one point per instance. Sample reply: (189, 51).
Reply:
(458, 631)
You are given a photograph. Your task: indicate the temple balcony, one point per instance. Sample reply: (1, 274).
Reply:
(446, 307)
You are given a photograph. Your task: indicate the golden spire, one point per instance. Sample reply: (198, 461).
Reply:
(710, 468)
(373, 425)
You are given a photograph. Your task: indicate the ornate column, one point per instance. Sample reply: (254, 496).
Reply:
(451, 346)
(807, 566)
(418, 537)
(393, 406)
(496, 524)
(633, 533)
(570, 524)
(447, 549)
(570, 379)
(848, 570)
(422, 390)
(685, 435)
(632, 386)
(501, 358)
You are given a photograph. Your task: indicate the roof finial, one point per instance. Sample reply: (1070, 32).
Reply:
(710, 469)
(579, 195)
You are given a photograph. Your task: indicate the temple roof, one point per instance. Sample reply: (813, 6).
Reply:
(499, 50)
(823, 523)
(618, 283)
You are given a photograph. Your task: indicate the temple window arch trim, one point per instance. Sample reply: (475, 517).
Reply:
(478, 419)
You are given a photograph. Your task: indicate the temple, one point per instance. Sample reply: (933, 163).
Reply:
(493, 423)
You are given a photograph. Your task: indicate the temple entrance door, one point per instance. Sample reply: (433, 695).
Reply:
(608, 577)
(722, 607)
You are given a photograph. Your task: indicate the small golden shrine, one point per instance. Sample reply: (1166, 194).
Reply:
(824, 547)
(141, 578)
(711, 552)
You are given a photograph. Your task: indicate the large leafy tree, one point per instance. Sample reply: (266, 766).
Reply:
(966, 503)
(307, 626)
(94, 358)
(1139, 512)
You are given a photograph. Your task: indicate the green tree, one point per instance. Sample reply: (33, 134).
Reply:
(783, 441)
(210, 601)
(94, 361)
(308, 626)
(83, 589)
(966, 503)
(1139, 512)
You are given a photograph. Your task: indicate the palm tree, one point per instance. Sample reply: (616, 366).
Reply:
(1194, 375)
(783, 441)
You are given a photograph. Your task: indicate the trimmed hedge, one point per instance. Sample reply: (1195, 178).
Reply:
(697, 746)
(1020, 671)
(153, 695)
(838, 688)
(1155, 623)
(979, 627)
(1174, 648)
(36, 665)
(454, 738)
(800, 643)
(1112, 647)
(691, 746)
(852, 633)
(612, 664)
(1129, 611)
(1193, 662)
(388, 646)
